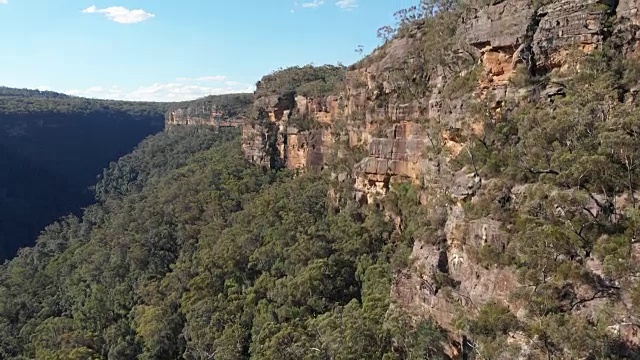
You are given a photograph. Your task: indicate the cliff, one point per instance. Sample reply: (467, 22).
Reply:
(496, 39)
(216, 110)
(467, 191)
(501, 141)
(437, 92)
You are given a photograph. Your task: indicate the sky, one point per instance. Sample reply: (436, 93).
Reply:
(170, 50)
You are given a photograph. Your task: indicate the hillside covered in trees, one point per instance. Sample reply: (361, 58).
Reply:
(53, 148)
(467, 191)
(192, 252)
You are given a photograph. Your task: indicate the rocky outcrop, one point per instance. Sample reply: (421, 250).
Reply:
(216, 111)
(324, 109)
(499, 33)
(278, 137)
(628, 24)
(256, 144)
(415, 140)
(503, 36)
(627, 12)
(306, 149)
(537, 36)
(394, 158)
(202, 116)
(566, 24)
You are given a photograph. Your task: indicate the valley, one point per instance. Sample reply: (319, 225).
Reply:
(54, 147)
(469, 190)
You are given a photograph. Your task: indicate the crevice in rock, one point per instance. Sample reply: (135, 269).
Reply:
(385, 183)
(609, 18)
(443, 262)
(613, 6)
(527, 54)
(276, 159)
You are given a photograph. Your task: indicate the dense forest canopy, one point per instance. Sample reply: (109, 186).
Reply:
(30, 105)
(28, 93)
(207, 256)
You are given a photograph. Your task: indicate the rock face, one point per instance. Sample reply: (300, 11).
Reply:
(306, 149)
(566, 24)
(629, 23)
(278, 139)
(502, 37)
(400, 135)
(517, 31)
(500, 33)
(217, 111)
(627, 12)
(324, 110)
(202, 116)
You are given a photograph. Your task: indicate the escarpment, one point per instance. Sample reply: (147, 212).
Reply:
(216, 110)
(513, 124)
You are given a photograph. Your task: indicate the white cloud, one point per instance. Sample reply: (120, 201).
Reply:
(99, 92)
(215, 78)
(120, 14)
(174, 91)
(212, 78)
(309, 4)
(4, 2)
(347, 4)
(312, 4)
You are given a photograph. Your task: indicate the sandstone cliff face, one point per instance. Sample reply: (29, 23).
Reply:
(400, 135)
(502, 36)
(202, 116)
(274, 141)
(217, 111)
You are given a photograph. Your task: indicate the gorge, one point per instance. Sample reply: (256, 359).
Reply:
(466, 191)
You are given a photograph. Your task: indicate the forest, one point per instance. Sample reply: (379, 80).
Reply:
(193, 253)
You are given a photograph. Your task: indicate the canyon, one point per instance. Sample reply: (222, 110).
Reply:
(469, 190)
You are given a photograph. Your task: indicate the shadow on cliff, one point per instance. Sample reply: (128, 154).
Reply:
(49, 161)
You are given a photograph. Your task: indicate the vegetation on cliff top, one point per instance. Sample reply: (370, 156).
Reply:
(309, 80)
(230, 105)
(12, 92)
(77, 106)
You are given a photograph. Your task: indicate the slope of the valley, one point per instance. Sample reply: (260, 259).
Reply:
(55, 146)
(52, 148)
(467, 191)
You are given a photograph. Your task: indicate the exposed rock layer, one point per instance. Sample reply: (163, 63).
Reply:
(399, 134)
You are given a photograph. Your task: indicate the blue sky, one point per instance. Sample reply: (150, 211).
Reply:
(177, 50)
